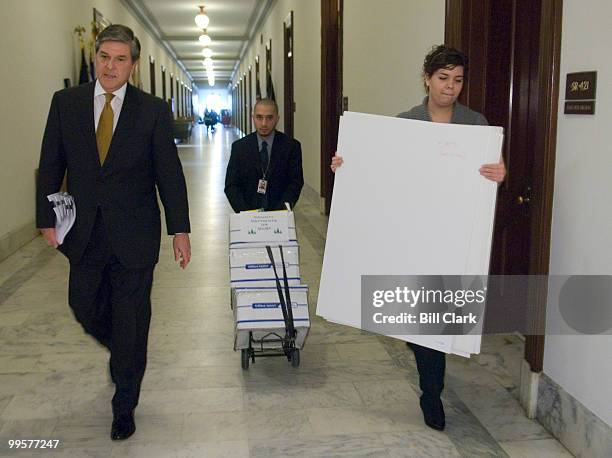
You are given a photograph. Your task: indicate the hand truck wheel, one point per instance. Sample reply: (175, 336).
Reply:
(295, 358)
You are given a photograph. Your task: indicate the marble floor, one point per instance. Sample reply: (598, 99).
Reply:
(354, 394)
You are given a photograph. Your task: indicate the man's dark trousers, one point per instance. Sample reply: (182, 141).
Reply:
(113, 304)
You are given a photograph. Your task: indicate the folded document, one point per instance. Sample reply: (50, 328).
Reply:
(65, 214)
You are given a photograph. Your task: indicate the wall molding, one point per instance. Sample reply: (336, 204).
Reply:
(528, 390)
(581, 431)
(15, 239)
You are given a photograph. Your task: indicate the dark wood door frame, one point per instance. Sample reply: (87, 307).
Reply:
(239, 105)
(235, 107)
(288, 50)
(152, 74)
(257, 79)
(163, 82)
(240, 115)
(270, 93)
(178, 98)
(331, 90)
(250, 101)
(458, 33)
(241, 102)
(171, 100)
(245, 105)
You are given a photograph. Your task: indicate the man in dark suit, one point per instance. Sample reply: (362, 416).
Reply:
(115, 144)
(265, 167)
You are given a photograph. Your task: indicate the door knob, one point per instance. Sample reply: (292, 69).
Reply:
(522, 200)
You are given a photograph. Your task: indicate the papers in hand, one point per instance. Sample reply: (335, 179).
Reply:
(65, 213)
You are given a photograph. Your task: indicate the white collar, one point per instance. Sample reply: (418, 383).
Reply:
(119, 93)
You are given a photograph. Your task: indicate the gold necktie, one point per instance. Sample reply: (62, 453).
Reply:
(104, 134)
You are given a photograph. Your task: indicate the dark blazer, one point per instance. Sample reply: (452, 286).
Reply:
(285, 175)
(142, 157)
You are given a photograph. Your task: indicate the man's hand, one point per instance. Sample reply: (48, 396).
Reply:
(48, 234)
(494, 172)
(182, 249)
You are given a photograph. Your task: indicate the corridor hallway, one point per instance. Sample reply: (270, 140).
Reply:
(354, 394)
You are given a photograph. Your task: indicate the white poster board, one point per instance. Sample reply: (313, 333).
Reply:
(409, 200)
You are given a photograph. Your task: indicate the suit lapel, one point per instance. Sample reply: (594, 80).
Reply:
(276, 152)
(85, 113)
(254, 146)
(125, 124)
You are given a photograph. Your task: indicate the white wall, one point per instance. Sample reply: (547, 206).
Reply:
(582, 221)
(385, 43)
(39, 50)
(307, 74)
(384, 46)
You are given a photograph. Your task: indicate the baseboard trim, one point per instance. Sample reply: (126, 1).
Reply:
(581, 431)
(12, 241)
(528, 391)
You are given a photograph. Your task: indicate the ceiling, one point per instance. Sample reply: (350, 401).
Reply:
(232, 24)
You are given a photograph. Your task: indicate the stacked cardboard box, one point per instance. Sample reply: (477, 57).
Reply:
(254, 294)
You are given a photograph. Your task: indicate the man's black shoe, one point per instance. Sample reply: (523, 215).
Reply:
(433, 414)
(123, 426)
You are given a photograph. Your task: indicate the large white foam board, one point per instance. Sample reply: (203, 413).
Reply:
(409, 200)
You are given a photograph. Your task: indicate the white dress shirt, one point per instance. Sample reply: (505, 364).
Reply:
(116, 103)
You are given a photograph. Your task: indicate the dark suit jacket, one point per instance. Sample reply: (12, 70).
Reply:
(285, 175)
(141, 157)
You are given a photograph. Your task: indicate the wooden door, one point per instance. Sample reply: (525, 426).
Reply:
(171, 101)
(245, 106)
(331, 90)
(250, 101)
(513, 47)
(288, 66)
(152, 74)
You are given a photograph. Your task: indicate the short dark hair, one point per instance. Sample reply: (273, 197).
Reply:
(266, 102)
(443, 56)
(122, 34)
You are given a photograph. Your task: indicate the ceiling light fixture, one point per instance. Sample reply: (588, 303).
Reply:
(202, 19)
(207, 52)
(205, 39)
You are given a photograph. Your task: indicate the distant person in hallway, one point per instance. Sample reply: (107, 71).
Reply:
(444, 72)
(210, 119)
(115, 144)
(265, 167)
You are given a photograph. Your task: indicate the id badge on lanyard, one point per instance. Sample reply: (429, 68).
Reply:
(262, 186)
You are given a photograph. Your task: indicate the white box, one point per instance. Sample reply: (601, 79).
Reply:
(239, 236)
(251, 266)
(258, 310)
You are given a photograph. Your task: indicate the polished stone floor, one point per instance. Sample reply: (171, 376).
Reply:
(354, 395)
